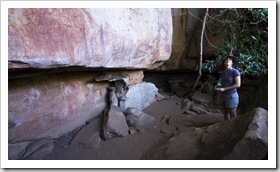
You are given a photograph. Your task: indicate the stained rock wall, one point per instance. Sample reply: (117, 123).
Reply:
(110, 38)
(52, 105)
(45, 107)
(48, 105)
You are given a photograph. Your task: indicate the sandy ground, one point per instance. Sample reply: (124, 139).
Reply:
(169, 120)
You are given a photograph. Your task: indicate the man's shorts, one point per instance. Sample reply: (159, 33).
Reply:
(229, 100)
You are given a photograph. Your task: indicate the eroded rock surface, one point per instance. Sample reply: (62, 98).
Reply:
(136, 118)
(47, 107)
(139, 96)
(114, 123)
(241, 138)
(110, 38)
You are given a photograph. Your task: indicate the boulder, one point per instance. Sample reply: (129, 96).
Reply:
(139, 96)
(137, 118)
(202, 97)
(254, 145)
(241, 138)
(89, 136)
(114, 123)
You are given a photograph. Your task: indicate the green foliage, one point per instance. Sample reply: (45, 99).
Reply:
(246, 37)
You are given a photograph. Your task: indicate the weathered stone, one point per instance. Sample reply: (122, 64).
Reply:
(137, 118)
(186, 104)
(179, 88)
(112, 76)
(194, 120)
(135, 77)
(160, 97)
(89, 136)
(244, 137)
(254, 145)
(37, 150)
(96, 37)
(139, 96)
(121, 88)
(50, 106)
(31, 150)
(128, 76)
(192, 108)
(17, 150)
(166, 119)
(114, 123)
(202, 97)
(112, 97)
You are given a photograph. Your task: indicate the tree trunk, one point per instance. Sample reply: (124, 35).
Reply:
(201, 48)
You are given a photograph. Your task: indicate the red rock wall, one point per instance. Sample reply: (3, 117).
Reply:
(111, 38)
